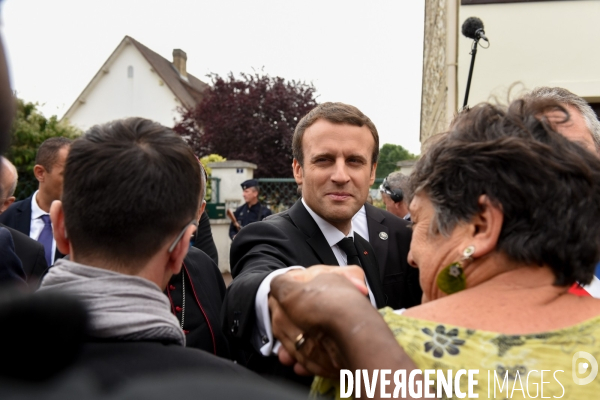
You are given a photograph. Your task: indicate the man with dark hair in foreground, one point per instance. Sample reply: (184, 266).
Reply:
(127, 234)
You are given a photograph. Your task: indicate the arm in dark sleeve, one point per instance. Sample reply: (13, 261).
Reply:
(258, 249)
(204, 239)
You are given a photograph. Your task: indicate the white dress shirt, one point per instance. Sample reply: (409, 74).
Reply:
(262, 338)
(37, 223)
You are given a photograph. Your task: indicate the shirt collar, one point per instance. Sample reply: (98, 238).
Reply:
(332, 234)
(360, 213)
(36, 211)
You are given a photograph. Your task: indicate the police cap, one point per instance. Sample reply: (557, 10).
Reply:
(249, 183)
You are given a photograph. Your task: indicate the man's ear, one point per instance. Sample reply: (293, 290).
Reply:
(372, 177)
(486, 227)
(298, 173)
(38, 172)
(201, 209)
(180, 251)
(57, 216)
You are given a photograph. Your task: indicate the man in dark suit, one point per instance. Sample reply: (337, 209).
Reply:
(31, 216)
(30, 252)
(335, 157)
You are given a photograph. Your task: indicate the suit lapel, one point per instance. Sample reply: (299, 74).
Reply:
(379, 242)
(315, 239)
(368, 259)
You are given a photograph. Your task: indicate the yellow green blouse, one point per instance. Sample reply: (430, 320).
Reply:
(519, 358)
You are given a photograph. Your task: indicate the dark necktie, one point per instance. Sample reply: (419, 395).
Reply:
(45, 238)
(348, 247)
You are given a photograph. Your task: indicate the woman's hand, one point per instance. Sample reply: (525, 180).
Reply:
(317, 302)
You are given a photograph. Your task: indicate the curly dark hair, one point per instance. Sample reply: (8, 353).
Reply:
(547, 187)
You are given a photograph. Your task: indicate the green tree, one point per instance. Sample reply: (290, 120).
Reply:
(389, 155)
(211, 158)
(30, 128)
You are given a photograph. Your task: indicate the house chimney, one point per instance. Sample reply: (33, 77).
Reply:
(179, 61)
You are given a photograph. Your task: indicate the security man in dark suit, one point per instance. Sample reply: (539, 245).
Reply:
(31, 216)
(30, 252)
(252, 210)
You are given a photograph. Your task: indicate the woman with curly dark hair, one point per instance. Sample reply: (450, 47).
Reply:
(506, 216)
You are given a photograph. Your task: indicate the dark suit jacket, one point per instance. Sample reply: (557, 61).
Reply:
(204, 292)
(294, 238)
(18, 216)
(11, 271)
(32, 256)
(400, 281)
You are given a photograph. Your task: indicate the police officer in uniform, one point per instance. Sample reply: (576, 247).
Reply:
(252, 211)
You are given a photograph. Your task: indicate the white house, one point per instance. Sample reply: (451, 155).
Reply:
(532, 43)
(536, 43)
(137, 82)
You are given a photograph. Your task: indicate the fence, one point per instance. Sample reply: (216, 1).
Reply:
(279, 194)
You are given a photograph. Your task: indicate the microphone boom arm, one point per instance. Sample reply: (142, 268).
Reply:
(473, 54)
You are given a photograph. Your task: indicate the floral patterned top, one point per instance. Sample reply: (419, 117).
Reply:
(511, 362)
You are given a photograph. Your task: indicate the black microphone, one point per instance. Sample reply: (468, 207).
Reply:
(473, 29)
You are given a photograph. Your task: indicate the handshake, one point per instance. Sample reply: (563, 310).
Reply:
(325, 322)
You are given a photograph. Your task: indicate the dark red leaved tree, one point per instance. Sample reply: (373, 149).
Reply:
(251, 118)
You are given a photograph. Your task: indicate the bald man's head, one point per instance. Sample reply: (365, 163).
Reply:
(8, 183)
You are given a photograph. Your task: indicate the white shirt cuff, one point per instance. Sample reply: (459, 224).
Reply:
(262, 336)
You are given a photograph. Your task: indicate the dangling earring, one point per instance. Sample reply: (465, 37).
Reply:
(452, 278)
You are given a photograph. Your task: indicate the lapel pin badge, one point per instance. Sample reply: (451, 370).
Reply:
(366, 253)
(383, 235)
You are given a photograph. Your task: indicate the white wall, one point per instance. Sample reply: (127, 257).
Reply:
(230, 193)
(552, 43)
(118, 96)
(220, 233)
(230, 190)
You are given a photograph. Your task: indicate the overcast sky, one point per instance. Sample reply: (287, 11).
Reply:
(366, 53)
